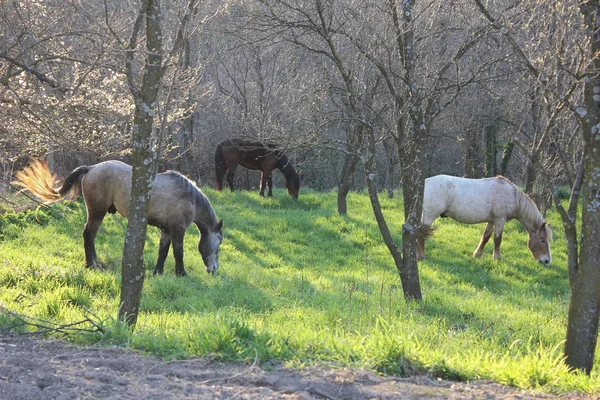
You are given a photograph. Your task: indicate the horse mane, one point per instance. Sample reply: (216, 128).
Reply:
(528, 213)
(288, 170)
(206, 215)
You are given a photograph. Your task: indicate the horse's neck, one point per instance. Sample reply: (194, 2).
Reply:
(205, 214)
(285, 166)
(528, 213)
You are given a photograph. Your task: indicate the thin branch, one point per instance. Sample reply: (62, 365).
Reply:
(41, 77)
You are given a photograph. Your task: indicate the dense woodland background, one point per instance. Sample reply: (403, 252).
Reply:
(272, 70)
(377, 89)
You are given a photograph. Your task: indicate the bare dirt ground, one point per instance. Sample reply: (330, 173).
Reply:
(33, 368)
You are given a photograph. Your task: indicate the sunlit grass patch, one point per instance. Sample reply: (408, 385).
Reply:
(300, 285)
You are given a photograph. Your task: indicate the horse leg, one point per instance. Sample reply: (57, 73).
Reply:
(177, 241)
(230, 175)
(497, 241)
(263, 183)
(420, 248)
(487, 234)
(270, 183)
(89, 236)
(498, 228)
(163, 251)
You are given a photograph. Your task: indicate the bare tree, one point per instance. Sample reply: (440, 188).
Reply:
(314, 28)
(584, 308)
(56, 73)
(561, 92)
(144, 87)
(420, 88)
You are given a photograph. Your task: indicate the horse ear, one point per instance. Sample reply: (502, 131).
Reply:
(220, 225)
(546, 231)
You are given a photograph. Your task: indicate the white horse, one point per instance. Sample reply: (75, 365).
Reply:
(491, 200)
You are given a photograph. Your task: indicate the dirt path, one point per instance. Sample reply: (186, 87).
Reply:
(48, 369)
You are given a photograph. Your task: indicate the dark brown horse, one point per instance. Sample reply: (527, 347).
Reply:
(175, 202)
(264, 157)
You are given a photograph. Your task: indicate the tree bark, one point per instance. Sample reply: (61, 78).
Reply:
(346, 182)
(584, 308)
(506, 156)
(491, 150)
(413, 287)
(413, 184)
(411, 144)
(391, 162)
(473, 155)
(132, 268)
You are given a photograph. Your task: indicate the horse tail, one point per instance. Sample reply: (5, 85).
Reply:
(72, 179)
(42, 183)
(220, 166)
(424, 232)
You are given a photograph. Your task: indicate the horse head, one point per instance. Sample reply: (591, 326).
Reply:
(210, 240)
(293, 188)
(539, 244)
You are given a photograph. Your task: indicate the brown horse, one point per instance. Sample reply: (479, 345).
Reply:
(175, 202)
(264, 157)
(491, 200)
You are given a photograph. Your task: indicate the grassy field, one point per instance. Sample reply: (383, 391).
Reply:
(299, 285)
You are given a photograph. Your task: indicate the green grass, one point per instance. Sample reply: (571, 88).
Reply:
(299, 285)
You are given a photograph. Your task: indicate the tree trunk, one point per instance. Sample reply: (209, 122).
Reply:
(411, 148)
(472, 155)
(346, 182)
(584, 308)
(413, 183)
(389, 178)
(506, 156)
(132, 268)
(491, 150)
(381, 223)
(530, 173)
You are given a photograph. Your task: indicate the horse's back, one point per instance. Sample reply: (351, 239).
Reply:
(250, 154)
(465, 200)
(108, 184)
(172, 200)
(171, 197)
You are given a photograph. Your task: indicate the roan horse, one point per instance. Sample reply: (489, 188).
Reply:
(175, 202)
(264, 157)
(491, 200)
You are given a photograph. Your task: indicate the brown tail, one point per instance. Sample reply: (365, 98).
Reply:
(424, 232)
(38, 179)
(220, 167)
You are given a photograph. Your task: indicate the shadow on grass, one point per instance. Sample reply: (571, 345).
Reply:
(515, 272)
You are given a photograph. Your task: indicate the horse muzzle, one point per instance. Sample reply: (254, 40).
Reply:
(211, 269)
(545, 260)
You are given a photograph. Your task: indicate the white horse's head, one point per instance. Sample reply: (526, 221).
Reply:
(539, 244)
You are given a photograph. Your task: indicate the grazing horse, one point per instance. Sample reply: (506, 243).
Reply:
(264, 157)
(175, 202)
(491, 200)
